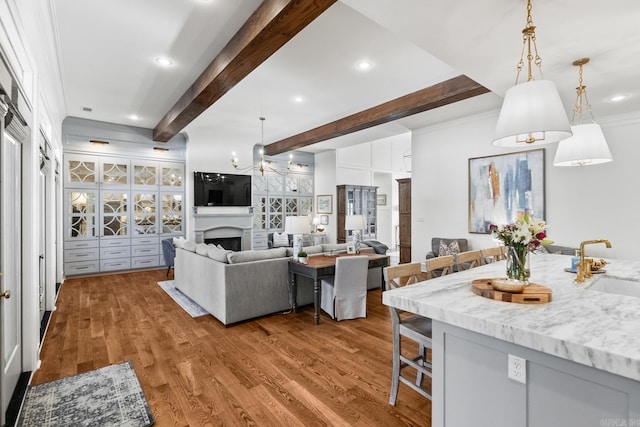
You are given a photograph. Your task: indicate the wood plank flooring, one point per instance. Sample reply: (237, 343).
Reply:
(274, 371)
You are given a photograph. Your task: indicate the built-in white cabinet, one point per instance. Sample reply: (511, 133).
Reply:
(117, 211)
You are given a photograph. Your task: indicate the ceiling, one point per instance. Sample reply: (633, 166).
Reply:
(107, 50)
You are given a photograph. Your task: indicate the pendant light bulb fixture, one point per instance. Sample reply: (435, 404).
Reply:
(262, 163)
(532, 112)
(588, 145)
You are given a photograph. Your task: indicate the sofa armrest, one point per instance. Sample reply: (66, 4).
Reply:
(430, 255)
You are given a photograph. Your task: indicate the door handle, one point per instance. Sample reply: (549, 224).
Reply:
(6, 294)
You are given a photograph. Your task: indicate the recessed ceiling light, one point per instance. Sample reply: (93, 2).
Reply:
(134, 117)
(298, 99)
(364, 65)
(617, 98)
(164, 61)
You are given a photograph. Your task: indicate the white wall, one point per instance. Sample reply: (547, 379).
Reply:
(585, 203)
(325, 183)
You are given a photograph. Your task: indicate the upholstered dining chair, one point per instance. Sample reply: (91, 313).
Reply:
(345, 295)
(439, 266)
(467, 260)
(491, 255)
(412, 326)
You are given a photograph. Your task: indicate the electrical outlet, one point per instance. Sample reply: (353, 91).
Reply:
(517, 367)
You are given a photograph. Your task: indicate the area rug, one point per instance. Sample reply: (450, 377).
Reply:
(109, 396)
(182, 300)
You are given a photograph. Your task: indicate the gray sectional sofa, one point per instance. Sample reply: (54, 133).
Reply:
(236, 286)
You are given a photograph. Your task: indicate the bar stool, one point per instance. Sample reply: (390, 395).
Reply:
(491, 255)
(411, 326)
(467, 260)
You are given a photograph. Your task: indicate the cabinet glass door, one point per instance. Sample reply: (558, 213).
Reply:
(81, 214)
(171, 213)
(114, 172)
(81, 171)
(145, 206)
(115, 216)
(171, 176)
(145, 175)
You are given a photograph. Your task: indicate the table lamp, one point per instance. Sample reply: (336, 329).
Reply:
(297, 226)
(355, 223)
(316, 223)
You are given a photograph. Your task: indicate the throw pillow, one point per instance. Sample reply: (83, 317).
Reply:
(450, 249)
(218, 254)
(280, 239)
(189, 246)
(178, 242)
(202, 249)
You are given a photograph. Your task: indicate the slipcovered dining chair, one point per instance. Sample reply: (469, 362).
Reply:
(345, 295)
(493, 254)
(440, 266)
(412, 326)
(467, 260)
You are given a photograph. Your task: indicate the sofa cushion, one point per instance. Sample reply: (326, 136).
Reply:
(202, 249)
(179, 242)
(334, 247)
(310, 250)
(280, 240)
(248, 256)
(189, 246)
(218, 254)
(445, 249)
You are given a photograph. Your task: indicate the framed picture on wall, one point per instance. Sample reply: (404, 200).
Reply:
(381, 200)
(505, 187)
(324, 219)
(325, 204)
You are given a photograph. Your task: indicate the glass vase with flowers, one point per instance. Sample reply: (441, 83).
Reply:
(520, 239)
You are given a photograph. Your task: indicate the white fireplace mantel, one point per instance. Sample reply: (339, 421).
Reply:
(224, 225)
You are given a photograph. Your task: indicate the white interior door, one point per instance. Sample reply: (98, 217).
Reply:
(10, 266)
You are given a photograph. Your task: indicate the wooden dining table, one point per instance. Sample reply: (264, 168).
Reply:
(321, 267)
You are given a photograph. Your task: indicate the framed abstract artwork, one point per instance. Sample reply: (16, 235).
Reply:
(324, 204)
(505, 187)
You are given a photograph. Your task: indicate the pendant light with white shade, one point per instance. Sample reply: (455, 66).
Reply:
(587, 146)
(532, 112)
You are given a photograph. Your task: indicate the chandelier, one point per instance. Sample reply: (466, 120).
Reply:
(587, 146)
(532, 112)
(262, 163)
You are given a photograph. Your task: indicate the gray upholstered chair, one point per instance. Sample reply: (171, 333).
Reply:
(169, 253)
(463, 246)
(412, 326)
(345, 295)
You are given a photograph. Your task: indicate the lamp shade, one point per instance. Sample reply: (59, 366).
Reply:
(531, 110)
(297, 225)
(354, 222)
(587, 146)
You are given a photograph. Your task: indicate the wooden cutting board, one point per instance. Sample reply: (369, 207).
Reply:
(532, 294)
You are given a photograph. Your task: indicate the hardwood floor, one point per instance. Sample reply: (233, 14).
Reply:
(273, 371)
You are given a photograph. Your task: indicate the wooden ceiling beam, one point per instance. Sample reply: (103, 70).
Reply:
(447, 92)
(270, 27)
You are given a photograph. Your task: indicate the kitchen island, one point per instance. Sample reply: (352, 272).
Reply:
(581, 350)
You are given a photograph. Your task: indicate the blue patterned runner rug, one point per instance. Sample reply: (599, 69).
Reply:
(109, 396)
(182, 300)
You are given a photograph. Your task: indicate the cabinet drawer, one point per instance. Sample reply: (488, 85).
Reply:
(72, 255)
(115, 264)
(110, 243)
(108, 253)
(79, 244)
(145, 241)
(145, 261)
(85, 267)
(143, 250)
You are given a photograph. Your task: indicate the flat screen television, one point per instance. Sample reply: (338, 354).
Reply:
(221, 189)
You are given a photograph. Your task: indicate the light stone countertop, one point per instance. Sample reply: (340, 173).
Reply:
(592, 328)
